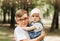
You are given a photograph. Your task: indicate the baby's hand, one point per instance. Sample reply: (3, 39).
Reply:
(29, 28)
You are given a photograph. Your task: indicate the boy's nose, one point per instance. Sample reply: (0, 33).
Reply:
(23, 21)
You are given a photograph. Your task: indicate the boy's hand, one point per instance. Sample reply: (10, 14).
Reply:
(43, 33)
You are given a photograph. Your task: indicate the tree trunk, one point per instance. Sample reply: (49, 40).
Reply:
(57, 26)
(55, 18)
(12, 24)
(4, 17)
(53, 22)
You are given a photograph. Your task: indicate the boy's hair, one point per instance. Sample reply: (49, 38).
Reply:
(20, 13)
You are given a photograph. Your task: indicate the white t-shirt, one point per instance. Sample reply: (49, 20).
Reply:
(20, 34)
(38, 26)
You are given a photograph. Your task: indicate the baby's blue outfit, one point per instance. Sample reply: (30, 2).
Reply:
(33, 34)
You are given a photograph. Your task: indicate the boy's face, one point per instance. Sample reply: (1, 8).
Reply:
(35, 17)
(23, 20)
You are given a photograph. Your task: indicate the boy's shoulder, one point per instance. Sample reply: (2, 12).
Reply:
(18, 28)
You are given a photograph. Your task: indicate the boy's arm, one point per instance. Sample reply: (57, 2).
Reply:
(41, 36)
(36, 39)
(29, 28)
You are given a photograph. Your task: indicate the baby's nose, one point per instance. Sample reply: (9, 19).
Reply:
(34, 17)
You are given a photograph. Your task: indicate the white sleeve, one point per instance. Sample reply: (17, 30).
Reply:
(20, 35)
(38, 26)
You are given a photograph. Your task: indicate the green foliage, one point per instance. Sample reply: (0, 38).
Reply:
(43, 5)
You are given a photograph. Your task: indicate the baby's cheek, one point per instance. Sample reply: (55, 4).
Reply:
(37, 19)
(31, 19)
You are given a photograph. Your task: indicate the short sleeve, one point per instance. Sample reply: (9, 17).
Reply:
(38, 26)
(20, 35)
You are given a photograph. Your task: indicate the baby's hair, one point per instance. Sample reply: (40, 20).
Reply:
(19, 13)
(36, 10)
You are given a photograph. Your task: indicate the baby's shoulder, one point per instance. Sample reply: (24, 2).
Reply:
(38, 23)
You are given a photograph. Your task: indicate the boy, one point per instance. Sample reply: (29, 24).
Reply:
(22, 21)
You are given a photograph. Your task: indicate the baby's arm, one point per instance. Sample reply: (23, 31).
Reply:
(29, 28)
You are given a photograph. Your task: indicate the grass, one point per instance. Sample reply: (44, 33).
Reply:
(4, 34)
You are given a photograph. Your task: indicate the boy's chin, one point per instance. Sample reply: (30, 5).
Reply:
(24, 25)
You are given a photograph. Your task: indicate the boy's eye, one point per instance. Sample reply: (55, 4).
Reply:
(23, 19)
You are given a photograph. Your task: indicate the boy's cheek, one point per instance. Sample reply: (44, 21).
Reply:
(17, 22)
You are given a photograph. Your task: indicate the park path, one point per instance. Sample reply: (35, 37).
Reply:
(52, 38)
(47, 38)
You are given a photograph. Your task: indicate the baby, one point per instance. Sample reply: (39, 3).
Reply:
(35, 26)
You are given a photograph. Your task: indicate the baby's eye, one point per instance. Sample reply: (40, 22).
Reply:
(37, 16)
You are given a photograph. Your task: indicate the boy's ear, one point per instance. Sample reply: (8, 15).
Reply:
(16, 20)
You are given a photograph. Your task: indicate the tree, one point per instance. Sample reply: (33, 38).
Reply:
(13, 8)
(6, 7)
(55, 17)
(26, 4)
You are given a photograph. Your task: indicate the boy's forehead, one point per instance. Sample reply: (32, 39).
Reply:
(20, 13)
(23, 16)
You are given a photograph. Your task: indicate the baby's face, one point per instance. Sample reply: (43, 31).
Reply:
(35, 17)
